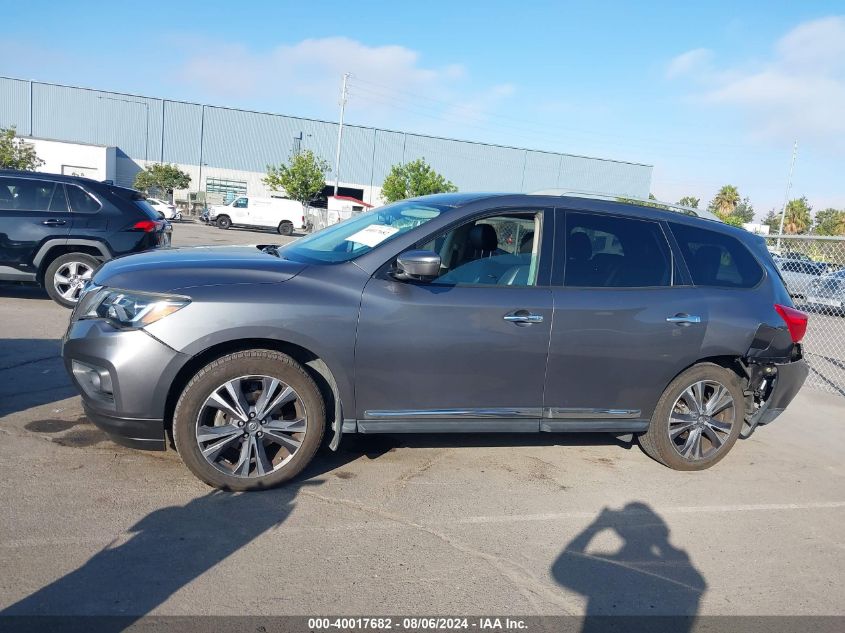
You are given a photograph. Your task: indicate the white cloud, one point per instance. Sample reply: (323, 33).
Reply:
(689, 62)
(306, 76)
(799, 92)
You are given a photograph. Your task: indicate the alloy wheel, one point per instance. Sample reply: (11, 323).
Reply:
(251, 426)
(701, 420)
(70, 278)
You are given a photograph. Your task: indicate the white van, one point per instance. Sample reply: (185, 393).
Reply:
(280, 214)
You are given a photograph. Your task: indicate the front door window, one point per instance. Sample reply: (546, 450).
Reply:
(501, 250)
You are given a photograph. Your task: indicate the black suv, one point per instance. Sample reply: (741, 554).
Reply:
(56, 230)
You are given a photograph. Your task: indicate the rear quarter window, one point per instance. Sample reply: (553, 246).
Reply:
(716, 259)
(80, 200)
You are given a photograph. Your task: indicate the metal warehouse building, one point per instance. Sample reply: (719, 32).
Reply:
(226, 151)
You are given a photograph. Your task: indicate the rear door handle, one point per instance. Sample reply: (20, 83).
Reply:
(523, 316)
(684, 319)
(53, 222)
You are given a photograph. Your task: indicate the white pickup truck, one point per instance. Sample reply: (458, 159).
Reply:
(280, 214)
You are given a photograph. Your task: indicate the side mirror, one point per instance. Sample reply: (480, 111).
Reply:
(417, 265)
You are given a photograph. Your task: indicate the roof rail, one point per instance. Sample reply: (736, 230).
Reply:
(644, 202)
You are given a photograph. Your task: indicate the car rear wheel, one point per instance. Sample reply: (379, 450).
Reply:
(66, 275)
(285, 228)
(697, 420)
(249, 421)
(223, 222)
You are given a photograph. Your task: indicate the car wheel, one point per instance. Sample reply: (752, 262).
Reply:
(697, 419)
(285, 228)
(66, 275)
(249, 421)
(223, 222)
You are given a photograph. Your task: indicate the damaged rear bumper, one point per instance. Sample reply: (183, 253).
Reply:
(787, 379)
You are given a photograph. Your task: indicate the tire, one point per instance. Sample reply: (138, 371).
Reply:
(65, 276)
(285, 228)
(223, 222)
(714, 437)
(245, 370)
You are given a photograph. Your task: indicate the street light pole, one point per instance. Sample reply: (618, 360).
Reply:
(343, 96)
(788, 189)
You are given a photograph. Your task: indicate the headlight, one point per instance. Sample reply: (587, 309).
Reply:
(134, 309)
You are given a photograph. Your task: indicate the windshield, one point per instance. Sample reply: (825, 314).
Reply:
(361, 234)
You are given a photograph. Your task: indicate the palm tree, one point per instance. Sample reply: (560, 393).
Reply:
(689, 201)
(725, 201)
(797, 218)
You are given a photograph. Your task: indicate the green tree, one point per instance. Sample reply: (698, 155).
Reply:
(161, 179)
(732, 220)
(725, 201)
(15, 153)
(772, 220)
(689, 201)
(744, 211)
(302, 180)
(829, 222)
(798, 218)
(413, 179)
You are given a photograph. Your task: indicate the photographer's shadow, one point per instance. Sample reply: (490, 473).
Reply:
(646, 576)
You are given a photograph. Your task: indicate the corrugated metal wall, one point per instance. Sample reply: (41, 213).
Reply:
(146, 128)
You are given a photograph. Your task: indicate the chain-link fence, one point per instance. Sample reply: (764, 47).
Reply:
(813, 268)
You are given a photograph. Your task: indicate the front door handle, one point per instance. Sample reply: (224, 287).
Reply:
(53, 222)
(684, 319)
(523, 316)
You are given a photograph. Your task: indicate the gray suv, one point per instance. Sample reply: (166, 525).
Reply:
(455, 312)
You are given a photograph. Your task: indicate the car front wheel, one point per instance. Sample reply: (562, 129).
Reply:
(249, 421)
(697, 419)
(223, 222)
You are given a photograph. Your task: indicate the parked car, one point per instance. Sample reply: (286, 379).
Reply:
(828, 292)
(168, 211)
(56, 230)
(279, 214)
(799, 274)
(420, 317)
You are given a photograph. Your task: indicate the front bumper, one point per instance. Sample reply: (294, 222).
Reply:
(790, 378)
(144, 434)
(141, 370)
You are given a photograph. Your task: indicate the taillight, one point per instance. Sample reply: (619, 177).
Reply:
(147, 226)
(796, 321)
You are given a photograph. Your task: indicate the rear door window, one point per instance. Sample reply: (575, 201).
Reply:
(605, 251)
(716, 259)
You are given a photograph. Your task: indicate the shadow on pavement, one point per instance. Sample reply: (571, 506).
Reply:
(162, 553)
(645, 576)
(23, 291)
(31, 374)
(378, 444)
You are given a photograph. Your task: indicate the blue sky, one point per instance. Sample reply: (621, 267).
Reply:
(709, 93)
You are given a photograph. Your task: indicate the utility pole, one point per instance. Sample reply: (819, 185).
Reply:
(343, 97)
(788, 189)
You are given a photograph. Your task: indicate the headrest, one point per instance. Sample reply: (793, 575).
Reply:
(483, 237)
(579, 247)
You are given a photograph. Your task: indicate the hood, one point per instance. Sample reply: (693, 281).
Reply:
(173, 269)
